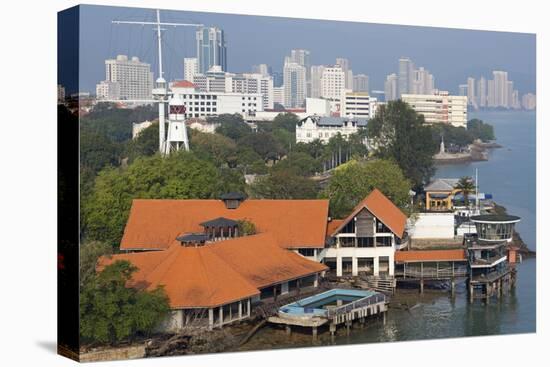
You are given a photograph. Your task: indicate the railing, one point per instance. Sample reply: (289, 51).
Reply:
(363, 302)
(443, 273)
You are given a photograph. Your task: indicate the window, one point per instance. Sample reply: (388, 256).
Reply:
(306, 252)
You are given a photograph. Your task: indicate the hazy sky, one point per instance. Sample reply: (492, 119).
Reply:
(451, 55)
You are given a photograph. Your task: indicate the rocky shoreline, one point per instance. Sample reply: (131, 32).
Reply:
(478, 151)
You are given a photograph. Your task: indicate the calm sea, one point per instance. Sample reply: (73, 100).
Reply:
(509, 175)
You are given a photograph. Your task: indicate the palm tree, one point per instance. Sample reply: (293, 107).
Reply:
(466, 186)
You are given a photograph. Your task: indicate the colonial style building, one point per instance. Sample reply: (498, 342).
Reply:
(324, 128)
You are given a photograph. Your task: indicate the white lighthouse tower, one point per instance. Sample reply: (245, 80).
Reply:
(177, 133)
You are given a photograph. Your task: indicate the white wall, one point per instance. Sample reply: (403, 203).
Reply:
(433, 225)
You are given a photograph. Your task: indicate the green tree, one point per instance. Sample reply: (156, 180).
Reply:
(283, 185)
(481, 130)
(246, 227)
(286, 120)
(216, 148)
(298, 163)
(232, 126)
(90, 252)
(466, 186)
(264, 144)
(97, 151)
(178, 176)
(111, 312)
(315, 148)
(400, 134)
(145, 144)
(353, 181)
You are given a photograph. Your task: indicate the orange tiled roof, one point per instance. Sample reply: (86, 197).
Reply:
(183, 84)
(333, 225)
(154, 224)
(383, 209)
(430, 255)
(218, 273)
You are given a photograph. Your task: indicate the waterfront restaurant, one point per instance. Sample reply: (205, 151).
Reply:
(217, 283)
(365, 242)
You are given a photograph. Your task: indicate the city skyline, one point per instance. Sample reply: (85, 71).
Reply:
(463, 57)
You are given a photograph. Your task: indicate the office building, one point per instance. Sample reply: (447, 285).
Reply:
(333, 82)
(211, 49)
(128, 79)
(357, 104)
(391, 87)
(190, 68)
(295, 86)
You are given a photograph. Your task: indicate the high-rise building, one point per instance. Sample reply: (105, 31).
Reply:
(279, 95)
(529, 101)
(302, 57)
(255, 83)
(106, 90)
(509, 94)
(262, 69)
(440, 107)
(333, 82)
(491, 94)
(391, 87)
(127, 79)
(423, 82)
(463, 89)
(405, 76)
(277, 79)
(190, 68)
(316, 75)
(294, 81)
(482, 92)
(345, 65)
(360, 83)
(211, 49)
(471, 91)
(501, 88)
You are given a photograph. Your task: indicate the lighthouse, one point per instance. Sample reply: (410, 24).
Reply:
(176, 138)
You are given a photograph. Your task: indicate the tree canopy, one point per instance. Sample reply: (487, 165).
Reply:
(354, 180)
(481, 130)
(283, 185)
(110, 312)
(232, 126)
(400, 134)
(179, 176)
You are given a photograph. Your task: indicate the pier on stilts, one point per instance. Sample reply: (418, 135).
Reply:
(334, 308)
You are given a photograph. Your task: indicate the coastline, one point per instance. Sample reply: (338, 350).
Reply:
(478, 151)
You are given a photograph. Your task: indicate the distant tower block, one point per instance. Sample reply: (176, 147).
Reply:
(177, 132)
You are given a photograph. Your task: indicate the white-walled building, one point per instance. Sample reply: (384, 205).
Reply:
(134, 77)
(440, 108)
(200, 104)
(324, 128)
(361, 83)
(333, 82)
(294, 81)
(316, 75)
(279, 95)
(358, 104)
(317, 106)
(255, 83)
(190, 68)
(107, 90)
(390, 87)
(366, 241)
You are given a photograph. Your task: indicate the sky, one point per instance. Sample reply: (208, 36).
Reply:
(451, 55)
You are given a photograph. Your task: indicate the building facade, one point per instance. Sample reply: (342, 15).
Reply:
(333, 82)
(361, 83)
(295, 86)
(440, 108)
(190, 68)
(358, 104)
(390, 88)
(323, 128)
(201, 104)
(107, 90)
(134, 78)
(211, 49)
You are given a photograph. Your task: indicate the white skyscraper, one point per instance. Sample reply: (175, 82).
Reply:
(391, 87)
(262, 69)
(345, 65)
(482, 92)
(422, 82)
(529, 101)
(190, 68)
(501, 88)
(130, 79)
(302, 57)
(316, 75)
(294, 81)
(333, 82)
(405, 76)
(360, 83)
(471, 93)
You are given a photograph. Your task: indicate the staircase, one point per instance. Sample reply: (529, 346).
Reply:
(385, 284)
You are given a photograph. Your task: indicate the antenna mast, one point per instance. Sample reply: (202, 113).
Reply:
(161, 92)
